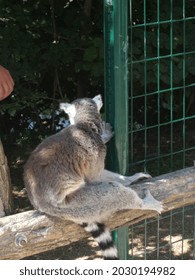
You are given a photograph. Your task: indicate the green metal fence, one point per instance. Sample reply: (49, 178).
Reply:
(150, 99)
(170, 236)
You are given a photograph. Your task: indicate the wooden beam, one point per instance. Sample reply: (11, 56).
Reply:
(31, 232)
(5, 185)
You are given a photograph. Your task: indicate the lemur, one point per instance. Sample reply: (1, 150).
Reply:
(65, 176)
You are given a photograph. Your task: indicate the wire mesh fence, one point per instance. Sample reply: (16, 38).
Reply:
(154, 43)
(162, 84)
(169, 237)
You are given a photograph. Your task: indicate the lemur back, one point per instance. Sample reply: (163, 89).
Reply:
(65, 177)
(68, 160)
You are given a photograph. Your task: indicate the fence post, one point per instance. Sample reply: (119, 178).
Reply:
(116, 95)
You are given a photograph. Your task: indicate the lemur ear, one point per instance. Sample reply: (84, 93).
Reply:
(68, 109)
(98, 101)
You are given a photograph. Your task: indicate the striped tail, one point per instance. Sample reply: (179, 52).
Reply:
(104, 239)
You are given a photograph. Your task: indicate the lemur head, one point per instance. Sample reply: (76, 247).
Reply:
(82, 106)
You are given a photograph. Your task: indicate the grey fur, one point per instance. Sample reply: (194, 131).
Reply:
(65, 177)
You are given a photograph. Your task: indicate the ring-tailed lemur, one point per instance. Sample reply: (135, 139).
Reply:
(65, 177)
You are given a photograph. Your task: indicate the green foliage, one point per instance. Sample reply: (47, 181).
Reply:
(48, 46)
(54, 51)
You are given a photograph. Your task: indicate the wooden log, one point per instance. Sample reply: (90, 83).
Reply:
(31, 232)
(5, 185)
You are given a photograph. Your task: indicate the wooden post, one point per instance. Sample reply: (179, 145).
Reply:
(5, 185)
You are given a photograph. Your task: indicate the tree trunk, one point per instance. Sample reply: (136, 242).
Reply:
(5, 185)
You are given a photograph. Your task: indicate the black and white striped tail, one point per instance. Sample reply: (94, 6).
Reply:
(104, 239)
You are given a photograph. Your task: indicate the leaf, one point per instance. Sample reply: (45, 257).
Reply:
(90, 54)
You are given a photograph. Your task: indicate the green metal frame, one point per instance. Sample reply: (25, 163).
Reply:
(123, 91)
(116, 95)
(173, 238)
(116, 83)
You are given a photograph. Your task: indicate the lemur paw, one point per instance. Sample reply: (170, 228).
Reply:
(138, 176)
(107, 132)
(150, 203)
